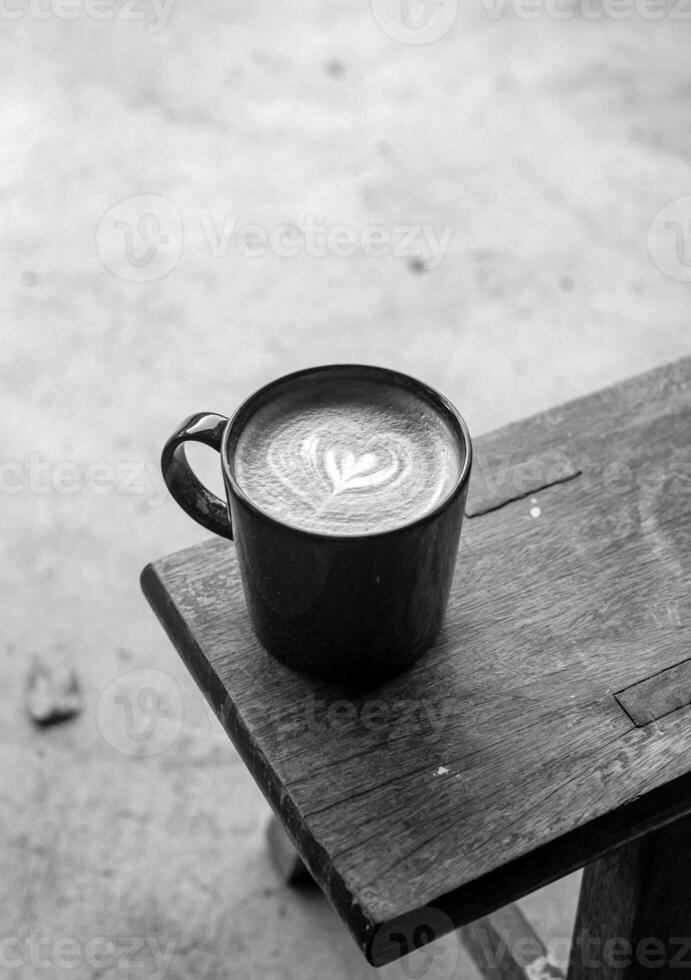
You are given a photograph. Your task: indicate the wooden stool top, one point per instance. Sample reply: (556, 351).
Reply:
(550, 723)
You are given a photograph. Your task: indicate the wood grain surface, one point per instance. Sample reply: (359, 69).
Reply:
(501, 760)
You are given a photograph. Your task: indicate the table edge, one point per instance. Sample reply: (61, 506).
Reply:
(467, 902)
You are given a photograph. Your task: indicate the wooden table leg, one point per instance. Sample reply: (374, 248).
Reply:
(505, 946)
(634, 910)
(284, 856)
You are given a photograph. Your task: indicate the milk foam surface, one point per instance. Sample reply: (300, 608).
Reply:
(346, 455)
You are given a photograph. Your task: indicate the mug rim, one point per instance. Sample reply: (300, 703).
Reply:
(447, 408)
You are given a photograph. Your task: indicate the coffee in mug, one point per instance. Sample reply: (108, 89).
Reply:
(345, 493)
(357, 457)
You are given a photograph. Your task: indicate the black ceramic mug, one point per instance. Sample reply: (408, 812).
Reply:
(351, 607)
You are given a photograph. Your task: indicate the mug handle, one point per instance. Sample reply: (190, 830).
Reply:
(205, 507)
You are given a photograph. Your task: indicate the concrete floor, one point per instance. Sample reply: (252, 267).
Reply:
(548, 146)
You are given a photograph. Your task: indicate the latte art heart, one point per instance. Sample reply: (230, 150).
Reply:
(349, 461)
(346, 471)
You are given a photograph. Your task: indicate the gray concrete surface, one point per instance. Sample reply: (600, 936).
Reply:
(548, 146)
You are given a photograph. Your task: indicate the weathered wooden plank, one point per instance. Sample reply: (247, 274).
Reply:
(634, 910)
(502, 759)
(506, 947)
(651, 699)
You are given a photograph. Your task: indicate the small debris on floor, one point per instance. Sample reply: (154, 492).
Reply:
(52, 692)
(29, 277)
(417, 265)
(335, 68)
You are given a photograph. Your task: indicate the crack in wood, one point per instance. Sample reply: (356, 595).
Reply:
(491, 508)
